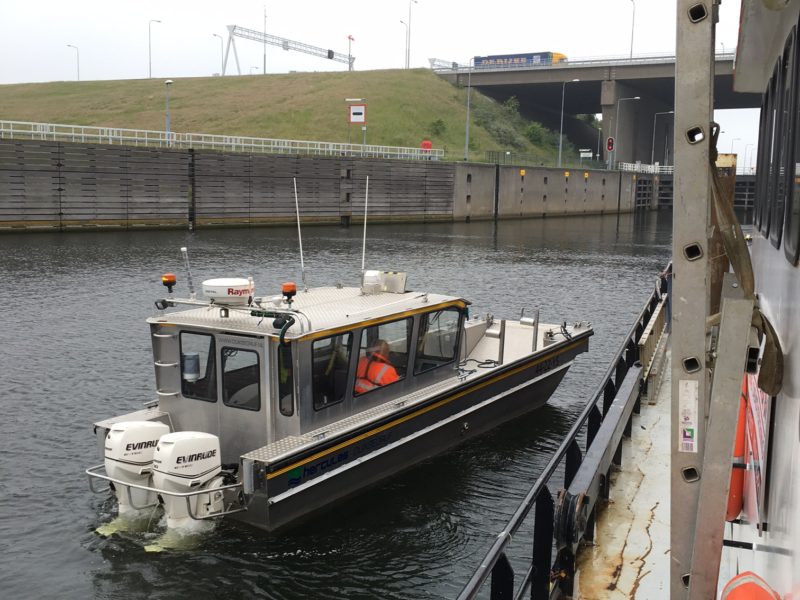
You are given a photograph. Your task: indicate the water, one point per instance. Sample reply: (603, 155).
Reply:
(78, 351)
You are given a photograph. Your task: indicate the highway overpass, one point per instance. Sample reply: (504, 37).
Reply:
(605, 84)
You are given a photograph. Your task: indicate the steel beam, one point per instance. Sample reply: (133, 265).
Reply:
(723, 413)
(694, 97)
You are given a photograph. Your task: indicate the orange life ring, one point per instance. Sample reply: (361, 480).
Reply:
(736, 493)
(748, 586)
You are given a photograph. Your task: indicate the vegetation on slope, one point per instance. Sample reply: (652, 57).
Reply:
(403, 108)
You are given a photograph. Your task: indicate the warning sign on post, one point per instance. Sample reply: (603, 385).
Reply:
(357, 114)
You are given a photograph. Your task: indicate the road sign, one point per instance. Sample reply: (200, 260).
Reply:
(610, 144)
(357, 113)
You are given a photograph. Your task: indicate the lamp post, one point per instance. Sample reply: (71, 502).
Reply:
(265, 39)
(150, 47)
(167, 83)
(653, 146)
(733, 141)
(633, 23)
(599, 135)
(616, 132)
(406, 57)
(408, 34)
(221, 53)
(469, 91)
(561, 128)
(744, 162)
(77, 59)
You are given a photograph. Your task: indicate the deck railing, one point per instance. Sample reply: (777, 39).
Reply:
(204, 141)
(606, 418)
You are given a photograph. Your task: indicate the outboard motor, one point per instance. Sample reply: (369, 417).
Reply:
(129, 449)
(188, 461)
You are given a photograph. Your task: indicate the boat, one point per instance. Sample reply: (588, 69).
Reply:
(270, 408)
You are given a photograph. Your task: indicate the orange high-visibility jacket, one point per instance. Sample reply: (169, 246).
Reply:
(374, 371)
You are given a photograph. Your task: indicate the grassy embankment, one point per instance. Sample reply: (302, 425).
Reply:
(404, 107)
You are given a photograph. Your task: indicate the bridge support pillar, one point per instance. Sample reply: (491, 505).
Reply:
(633, 123)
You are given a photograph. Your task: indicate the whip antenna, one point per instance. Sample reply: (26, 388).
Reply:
(364, 244)
(299, 235)
(185, 254)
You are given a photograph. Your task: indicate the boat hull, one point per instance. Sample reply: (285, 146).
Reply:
(288, 490)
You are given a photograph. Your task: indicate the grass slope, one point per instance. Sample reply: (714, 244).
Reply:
(402, 107)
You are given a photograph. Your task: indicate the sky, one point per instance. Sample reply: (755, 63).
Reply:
(112, 37)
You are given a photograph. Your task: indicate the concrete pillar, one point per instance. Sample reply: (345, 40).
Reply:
(635, 130)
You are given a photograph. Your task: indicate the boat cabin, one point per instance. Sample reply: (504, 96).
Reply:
(281, 367)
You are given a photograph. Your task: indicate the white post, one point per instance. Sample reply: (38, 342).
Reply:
(364, 243)
(150, 47)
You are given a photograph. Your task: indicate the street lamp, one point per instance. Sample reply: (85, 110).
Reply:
(77, 58)
(406, 24)
(167, 83)
(733, 141)
(221, 59)
(744, 162)
(561, 128)
(408, 34)
(653, 147)
(469, 91)
(633, 22)
(616, 131)
(150, 47)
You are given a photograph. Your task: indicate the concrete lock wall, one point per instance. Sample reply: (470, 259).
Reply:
(540, 192)
(46, 185)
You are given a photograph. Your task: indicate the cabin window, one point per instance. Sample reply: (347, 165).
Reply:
(330, 362)
(285, 380)
(198, 371)
(438, 339)
(791, 232)
(383, 355)
(241, 381)
(783, 130)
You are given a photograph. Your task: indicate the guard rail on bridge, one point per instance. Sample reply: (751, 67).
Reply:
(443, 66)
(203, 141)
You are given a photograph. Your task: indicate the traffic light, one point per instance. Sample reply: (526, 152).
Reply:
(610, 144)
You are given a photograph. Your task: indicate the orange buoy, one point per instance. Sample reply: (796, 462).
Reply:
(736, 493)
(748, 586)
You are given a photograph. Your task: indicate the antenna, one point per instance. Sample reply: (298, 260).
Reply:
(185, 254)
(299, 235)
(364, 244)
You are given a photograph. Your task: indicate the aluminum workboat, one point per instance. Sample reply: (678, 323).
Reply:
(269, 408)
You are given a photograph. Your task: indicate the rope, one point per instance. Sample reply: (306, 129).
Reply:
(770, 377)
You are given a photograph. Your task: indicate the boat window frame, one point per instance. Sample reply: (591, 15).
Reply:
(211, 367)
(760, 189)
(791, 219)
(361, 340)
(346, 393)
(280, 386)
(419, 336)
(766, 168)
(783, 131)
(223, 358)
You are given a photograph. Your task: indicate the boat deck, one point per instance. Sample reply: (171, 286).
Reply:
(630, 556)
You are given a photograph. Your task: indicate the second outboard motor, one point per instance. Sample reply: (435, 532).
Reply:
(129, 449)
(188, 461)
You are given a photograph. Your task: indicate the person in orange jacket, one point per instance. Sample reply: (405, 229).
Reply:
(375, 369)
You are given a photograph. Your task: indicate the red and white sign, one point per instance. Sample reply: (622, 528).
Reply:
(357, 113)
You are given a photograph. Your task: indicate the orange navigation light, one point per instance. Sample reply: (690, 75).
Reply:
(169, 280)
(289, 290)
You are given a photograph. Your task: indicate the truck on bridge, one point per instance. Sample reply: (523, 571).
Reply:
(530, 59)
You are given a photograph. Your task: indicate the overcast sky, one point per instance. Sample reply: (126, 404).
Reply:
(112, 36)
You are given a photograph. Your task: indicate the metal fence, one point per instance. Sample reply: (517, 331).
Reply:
(561, 525)
(645, 168)
(204, 141)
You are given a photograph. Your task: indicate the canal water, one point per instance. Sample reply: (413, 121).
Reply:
(75, 349)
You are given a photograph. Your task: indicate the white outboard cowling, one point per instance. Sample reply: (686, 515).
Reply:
(129, 449)
(188, 461)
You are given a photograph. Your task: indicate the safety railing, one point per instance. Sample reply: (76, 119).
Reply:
(443, 66)
(645, 168)
(606, 419)
(205, 141)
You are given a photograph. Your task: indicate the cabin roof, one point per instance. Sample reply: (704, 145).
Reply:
(316, 311)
